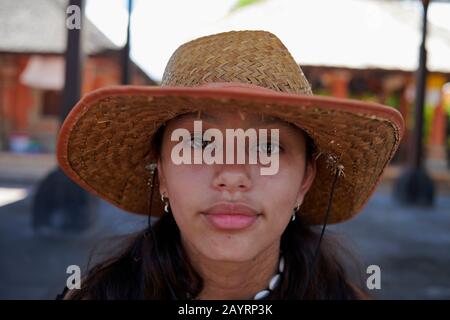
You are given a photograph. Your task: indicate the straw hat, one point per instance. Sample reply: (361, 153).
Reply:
(104, 143)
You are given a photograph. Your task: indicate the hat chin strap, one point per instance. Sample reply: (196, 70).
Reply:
(152, 232)
(325, 221)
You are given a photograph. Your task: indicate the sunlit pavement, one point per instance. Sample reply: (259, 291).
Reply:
(10, 195)
(410, 245)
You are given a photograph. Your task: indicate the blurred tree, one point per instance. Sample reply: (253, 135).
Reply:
(126, 71)
(244, 3)
(414, 186)
(60, 206)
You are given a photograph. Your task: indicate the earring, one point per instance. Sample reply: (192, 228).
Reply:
(295, 211)
(166, 203)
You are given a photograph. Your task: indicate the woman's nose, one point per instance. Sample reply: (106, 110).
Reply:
(232, 177)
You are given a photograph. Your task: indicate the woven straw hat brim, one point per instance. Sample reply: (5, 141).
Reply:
(104, 143)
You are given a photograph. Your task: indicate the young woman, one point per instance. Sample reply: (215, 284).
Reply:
(228, 229)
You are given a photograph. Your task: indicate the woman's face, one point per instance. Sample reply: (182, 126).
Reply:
(230, 211)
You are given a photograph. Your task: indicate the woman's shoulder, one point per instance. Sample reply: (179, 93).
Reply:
(67, 294)
(359, 293)
(105, 281)
(72, 294)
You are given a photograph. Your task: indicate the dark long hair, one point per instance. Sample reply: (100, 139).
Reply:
(143, 267)
(136, 273)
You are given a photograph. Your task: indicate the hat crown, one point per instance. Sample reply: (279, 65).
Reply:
(252, 57)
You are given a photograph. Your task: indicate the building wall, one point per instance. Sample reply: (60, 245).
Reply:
(31, 114)
(393, 88)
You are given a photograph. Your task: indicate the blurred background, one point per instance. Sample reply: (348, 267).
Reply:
(392, 52)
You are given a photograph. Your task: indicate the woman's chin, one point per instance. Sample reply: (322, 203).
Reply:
(230, 254)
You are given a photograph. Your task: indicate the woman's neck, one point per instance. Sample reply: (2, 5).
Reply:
(235, 280)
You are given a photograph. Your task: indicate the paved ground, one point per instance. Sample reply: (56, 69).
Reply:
(411, 246)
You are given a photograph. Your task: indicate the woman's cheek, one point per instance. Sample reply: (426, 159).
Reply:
(188, 184)
(279, 191)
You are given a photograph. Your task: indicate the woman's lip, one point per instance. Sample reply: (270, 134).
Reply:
(230, 221)
(231, 208)
(231, 215)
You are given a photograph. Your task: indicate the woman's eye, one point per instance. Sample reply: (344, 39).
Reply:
(196, 142)
(269, 148)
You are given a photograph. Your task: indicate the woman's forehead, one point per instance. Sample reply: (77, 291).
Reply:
(233, 116)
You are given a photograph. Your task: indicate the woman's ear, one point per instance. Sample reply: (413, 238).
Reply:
(308, 179)
(161, 178)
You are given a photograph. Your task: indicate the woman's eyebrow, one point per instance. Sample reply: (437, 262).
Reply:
(197, 116)
(269, 120)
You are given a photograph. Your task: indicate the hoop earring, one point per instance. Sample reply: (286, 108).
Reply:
(166, 203)
(297, 207)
